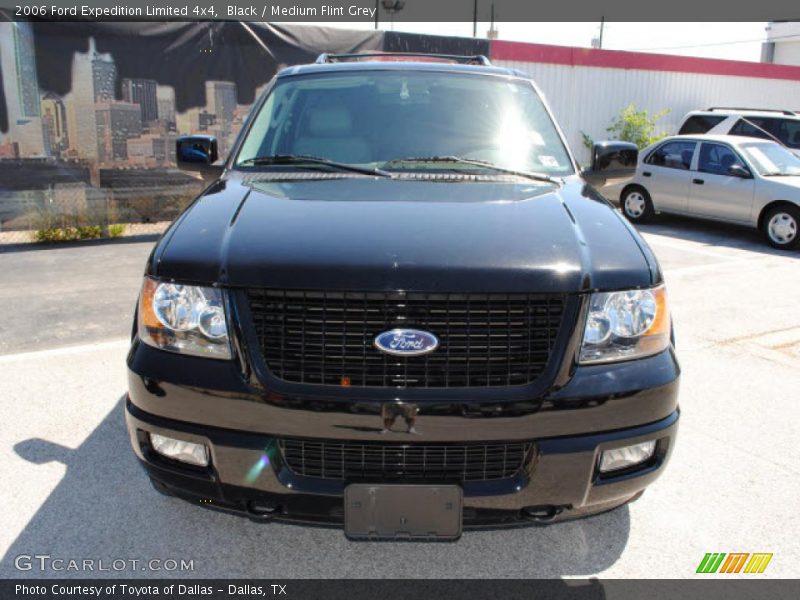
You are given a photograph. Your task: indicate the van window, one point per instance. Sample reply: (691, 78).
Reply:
(787, 131)
(752, 127)
(699, 124)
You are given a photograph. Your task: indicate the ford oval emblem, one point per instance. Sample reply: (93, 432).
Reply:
(406, 342)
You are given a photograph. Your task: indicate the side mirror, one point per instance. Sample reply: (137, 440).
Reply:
(612, 160)
(739, 171)
(198, 153)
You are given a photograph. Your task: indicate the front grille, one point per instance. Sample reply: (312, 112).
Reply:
(397, 462)
(328, 337)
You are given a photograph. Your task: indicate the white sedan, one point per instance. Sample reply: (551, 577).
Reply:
(741, 180)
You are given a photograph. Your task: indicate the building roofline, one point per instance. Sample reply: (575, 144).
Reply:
(618, 59)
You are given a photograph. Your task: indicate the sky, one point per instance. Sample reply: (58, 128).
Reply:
(733, 41)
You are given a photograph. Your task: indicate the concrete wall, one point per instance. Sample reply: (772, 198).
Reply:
(786, 50)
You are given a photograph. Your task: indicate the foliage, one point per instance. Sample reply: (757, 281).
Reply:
(90, 232)
(632, 125)
(54, 234)
(116, 230)
(588, 142)
(68, 234)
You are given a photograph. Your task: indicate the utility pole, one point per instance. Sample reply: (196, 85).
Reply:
(391, 7)
(602, 26)
(376, 13)
(475, 18)
(492, 33)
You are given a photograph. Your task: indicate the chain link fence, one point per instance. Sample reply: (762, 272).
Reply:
(125, 203)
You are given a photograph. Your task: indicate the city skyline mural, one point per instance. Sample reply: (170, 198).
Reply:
(106, 115)
(89, 112)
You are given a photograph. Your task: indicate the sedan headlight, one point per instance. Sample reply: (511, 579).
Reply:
(625, 325)
(186, 319)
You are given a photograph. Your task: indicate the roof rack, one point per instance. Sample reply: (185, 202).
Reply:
(789, 113)
(478, 59)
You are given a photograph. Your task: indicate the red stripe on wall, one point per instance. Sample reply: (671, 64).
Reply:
(617, 59)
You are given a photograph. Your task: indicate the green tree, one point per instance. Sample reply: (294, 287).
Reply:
(632, 125)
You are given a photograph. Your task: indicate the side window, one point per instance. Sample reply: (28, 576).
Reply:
(673, 155)
(699, 124)
(753, 127)
(786, 130)
(717, 159)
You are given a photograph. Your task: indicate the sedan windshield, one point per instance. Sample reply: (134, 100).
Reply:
(772, 160)
(406, 120)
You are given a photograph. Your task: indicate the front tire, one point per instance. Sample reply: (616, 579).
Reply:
(781, 227)
(637, 205)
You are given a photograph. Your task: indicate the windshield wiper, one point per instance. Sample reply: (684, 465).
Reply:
(303, 160)
(475, 162)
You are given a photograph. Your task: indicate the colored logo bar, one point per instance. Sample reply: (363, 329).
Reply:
(735, 562)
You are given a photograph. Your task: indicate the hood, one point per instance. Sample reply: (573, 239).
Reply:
(790, 183)
(379, 234)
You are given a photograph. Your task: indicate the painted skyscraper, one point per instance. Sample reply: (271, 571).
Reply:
(221, 99)
(143, 93)
(21, 88)
(93, 80)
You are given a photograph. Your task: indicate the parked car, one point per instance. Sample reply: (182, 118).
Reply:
(741, 180)
(400, 308)
(782, 126)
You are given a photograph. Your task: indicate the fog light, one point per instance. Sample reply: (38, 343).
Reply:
(188, 452)
(628, 456)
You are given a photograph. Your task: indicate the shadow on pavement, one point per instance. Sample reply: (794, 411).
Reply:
(104, 508)
(713, 233)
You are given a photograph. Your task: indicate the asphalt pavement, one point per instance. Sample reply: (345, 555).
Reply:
(72, 489)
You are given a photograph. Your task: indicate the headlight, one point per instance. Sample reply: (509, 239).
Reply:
(184, 318)
(625, 325)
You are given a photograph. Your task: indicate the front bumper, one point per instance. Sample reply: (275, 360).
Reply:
(208, 402)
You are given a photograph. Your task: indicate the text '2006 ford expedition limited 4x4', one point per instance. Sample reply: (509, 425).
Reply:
(400, 307)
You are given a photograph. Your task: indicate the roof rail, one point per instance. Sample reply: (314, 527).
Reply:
(789, 113)
(478, 59)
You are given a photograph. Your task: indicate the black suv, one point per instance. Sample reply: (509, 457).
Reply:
(400, 307)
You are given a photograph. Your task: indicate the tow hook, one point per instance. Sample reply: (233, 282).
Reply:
(545, 513)
(263, 511)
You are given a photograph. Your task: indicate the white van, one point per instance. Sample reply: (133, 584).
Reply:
(781, 126)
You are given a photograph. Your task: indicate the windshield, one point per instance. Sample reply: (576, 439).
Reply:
(379, 118)
(772, 159)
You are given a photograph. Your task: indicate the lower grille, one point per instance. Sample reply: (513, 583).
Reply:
(400, 462)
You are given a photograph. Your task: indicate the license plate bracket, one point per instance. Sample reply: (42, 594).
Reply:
(392, 511)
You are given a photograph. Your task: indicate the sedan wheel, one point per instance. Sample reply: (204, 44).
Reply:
(782, 228)
(636, 205)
